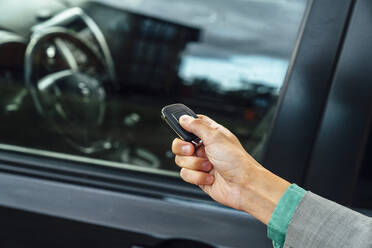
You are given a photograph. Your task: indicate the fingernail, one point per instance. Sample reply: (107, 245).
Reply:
(206, 165)
(185, 118)
(186, 149)
(209, 179)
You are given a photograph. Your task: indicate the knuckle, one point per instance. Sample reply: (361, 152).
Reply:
(178, 160)
(174, 142)
(200, 179)
(202, 117)
(197, 164)
(174, 145)
(198, 121)
(216, 128)
(217, 135)
(183, 174)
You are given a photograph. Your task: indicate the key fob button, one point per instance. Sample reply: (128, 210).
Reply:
(172, 113)
(177, 115)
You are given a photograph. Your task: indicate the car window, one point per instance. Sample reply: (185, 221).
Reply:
(86, 80)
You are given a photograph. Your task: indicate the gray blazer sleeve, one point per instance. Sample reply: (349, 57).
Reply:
(318, 222)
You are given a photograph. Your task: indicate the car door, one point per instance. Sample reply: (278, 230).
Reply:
(339, 167)
(85, 158)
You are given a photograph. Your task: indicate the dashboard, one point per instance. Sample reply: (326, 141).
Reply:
(60, 74)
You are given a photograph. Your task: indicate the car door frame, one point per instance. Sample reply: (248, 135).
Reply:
(164, 206)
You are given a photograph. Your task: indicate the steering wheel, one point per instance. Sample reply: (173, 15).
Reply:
(68, 81)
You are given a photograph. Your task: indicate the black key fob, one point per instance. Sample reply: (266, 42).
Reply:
(172, 113)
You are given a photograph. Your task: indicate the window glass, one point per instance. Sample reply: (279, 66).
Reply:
(86, 80)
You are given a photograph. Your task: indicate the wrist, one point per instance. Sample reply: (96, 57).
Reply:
(261, 192)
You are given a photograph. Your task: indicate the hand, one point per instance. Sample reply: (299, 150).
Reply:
(225, 171)
(221, 165)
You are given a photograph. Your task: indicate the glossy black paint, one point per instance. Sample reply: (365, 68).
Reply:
(21, 229)
(338, 150)
(306, 89)
(166, 218)
(362, 193)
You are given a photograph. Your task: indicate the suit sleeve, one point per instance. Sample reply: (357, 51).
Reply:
(318, 222)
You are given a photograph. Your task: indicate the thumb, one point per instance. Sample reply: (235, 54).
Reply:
(199, 127)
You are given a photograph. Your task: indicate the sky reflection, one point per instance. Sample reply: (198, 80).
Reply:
(236, 72)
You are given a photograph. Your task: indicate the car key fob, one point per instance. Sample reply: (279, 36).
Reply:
(171, 115)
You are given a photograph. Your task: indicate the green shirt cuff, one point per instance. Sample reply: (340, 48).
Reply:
(282, 215)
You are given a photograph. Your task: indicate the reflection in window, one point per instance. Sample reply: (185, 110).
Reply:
(94, 78)
(236, 73)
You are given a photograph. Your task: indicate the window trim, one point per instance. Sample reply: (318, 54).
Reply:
(339, 148)
(306, 88)
(136, 213)
(121, 178)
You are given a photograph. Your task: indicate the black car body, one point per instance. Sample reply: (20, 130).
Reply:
(84, 157)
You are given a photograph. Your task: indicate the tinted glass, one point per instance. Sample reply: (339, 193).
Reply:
(87, 80)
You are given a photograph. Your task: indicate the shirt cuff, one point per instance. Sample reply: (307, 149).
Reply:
(282, 215)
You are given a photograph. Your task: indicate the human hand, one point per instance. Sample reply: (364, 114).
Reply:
(225, 171)
(220, 166)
